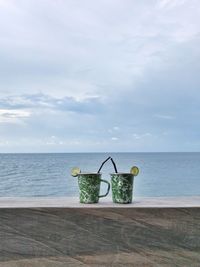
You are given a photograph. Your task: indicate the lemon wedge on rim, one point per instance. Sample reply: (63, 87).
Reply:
(134, 170)
(75, 171)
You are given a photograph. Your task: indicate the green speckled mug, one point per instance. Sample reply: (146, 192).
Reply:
(122, 187)
(89, 187)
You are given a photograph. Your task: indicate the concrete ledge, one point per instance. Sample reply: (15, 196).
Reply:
(60, 232)
(73, 202)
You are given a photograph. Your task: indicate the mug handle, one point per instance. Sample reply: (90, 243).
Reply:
(108, 189)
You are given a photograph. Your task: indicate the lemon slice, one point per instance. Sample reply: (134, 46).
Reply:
(75, 171)
(134, 170)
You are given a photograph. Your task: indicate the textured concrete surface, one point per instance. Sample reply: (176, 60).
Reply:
(73, 202)
(93, 237)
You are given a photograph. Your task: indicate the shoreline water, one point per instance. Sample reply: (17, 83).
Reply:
(161, 174)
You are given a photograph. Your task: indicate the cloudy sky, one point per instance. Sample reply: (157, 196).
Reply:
(104, 75)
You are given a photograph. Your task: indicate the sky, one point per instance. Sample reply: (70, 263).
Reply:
(99, 76)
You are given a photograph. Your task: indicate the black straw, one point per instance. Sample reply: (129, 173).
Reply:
(114, 164)
(103, 164)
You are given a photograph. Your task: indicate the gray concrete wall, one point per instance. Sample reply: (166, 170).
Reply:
(93, 237)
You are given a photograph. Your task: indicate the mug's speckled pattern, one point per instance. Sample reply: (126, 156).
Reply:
(89, 187)
(122, 187)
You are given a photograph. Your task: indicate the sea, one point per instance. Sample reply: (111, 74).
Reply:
(161, 174)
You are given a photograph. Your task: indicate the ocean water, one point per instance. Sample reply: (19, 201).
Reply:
(161, 174)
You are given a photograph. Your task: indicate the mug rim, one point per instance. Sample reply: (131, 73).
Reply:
(87, 173)
(121, 173)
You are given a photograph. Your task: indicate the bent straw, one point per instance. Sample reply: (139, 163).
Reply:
(114, 164)
(103, 164)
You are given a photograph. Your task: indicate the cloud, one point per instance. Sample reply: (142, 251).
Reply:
(88, 72)
(14, 113)
(62, 48)
(165, 117)
(43, 102)
(170, 3)
(12, 116)
(114, 138)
